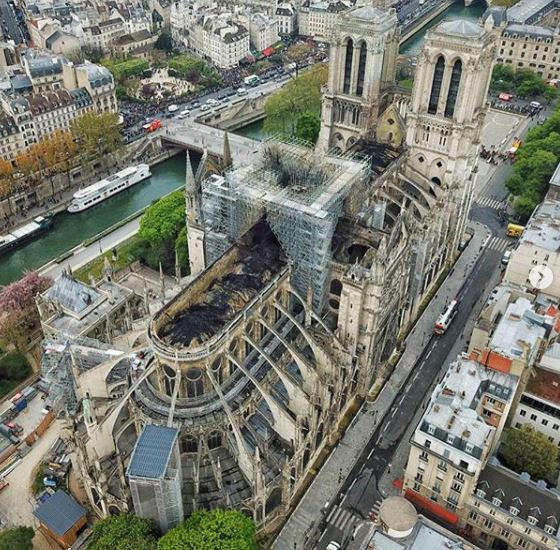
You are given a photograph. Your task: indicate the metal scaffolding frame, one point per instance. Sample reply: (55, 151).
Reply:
(300, 191)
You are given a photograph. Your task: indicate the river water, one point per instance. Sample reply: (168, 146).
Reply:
(72, 229)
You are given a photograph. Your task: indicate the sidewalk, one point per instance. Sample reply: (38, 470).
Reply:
(325, 486)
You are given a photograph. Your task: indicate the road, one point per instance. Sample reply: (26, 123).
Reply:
(83, 254)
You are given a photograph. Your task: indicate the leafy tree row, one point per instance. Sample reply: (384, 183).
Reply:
(295, 109)
(203, 530)
(195, 71)
(92, 136)
(535, 163)
(523, 83)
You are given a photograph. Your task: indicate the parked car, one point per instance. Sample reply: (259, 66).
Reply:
(184, 113)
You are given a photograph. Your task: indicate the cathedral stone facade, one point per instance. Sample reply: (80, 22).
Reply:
(306, 266)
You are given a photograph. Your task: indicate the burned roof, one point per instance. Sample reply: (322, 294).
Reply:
(248, 267)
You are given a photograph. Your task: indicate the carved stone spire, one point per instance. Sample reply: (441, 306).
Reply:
(227, 160)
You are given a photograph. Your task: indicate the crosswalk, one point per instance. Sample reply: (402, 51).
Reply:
(341, 518)
(491, 203)
(374, 512)
(499, 243)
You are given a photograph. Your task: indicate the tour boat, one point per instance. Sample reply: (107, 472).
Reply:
(22, 234)
(98, 192)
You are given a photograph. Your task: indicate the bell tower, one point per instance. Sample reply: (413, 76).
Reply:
(362, 73)
(446, 116)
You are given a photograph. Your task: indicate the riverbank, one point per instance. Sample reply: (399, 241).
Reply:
(71, 231)
(425, 20)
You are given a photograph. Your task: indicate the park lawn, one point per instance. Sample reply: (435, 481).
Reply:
(125, 256)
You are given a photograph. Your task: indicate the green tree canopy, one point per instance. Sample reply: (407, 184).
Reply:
(308, 126)
(526, 450)
(162, 221)
(97, 134)
(182, 248)
(300, 95)
(164, 42)
(17, 538)
(123, 532)
(212, 530)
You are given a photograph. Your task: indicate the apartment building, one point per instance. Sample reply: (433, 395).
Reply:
(539, 404)
(509, 510)
(220, 39)
(317, 19)
(104, 34)
(44, 70)
(462, 423)
(11, 139)
(137, 44)
(263, 30)
(539, 246)
(287, 18)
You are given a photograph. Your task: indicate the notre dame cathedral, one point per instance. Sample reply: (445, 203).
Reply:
(306, 267)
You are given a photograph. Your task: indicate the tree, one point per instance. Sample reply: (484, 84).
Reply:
(97, 134)
(123, 532)
(308, 126)
(164, 42)
(17, 538)
(526, 450)
(18, 313)
(162, 221)
(550, 94)
(212, 530)
(160, 227)
(182, 248)
(298, 96)
(298, 52)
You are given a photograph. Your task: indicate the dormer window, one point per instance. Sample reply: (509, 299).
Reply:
(450, 439)
(431, 429)
(549, 529)
(480, 493)
(532, 520)
(496, 501)
(513, 510)
(469, 448)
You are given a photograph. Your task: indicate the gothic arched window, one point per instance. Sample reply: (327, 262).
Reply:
(436, 86)
(453, 88)
(348, 66)
(361, 69)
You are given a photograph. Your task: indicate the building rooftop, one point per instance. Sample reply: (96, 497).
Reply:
(426, 535)
(543, 229)
(544, 384)
(452, 409)
(526, 9)
(520, 330)
(529, 30)
(518, 491)
(59, 512)
(460, 27)
(152, 452)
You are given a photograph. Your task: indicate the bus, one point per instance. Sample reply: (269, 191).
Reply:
(252, 80)
(444, 320)
(514, 230)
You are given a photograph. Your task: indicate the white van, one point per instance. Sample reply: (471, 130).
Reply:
(241, 91)
(184, 114)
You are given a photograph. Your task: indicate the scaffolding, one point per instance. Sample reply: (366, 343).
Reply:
(62, 353)
(154, 476)
(300, 192)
